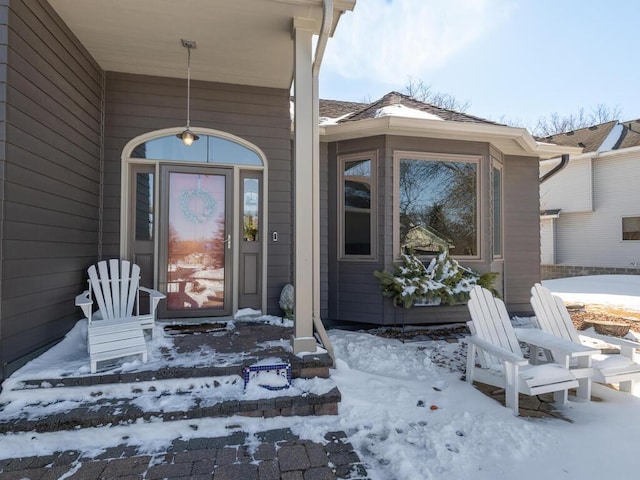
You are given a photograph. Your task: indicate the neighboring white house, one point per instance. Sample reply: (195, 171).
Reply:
(590, 210)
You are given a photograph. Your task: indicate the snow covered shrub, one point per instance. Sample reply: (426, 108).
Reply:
(444, 278)
(286, 301)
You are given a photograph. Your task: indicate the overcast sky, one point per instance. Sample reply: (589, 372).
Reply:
(515, 59)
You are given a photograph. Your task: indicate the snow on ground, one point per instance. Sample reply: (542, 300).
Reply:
(411, 419)
(614, 290)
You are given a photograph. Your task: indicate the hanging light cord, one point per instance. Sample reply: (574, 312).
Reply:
(188, 84)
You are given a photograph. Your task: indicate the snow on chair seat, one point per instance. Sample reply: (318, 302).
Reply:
(553, 318)
(501, 361)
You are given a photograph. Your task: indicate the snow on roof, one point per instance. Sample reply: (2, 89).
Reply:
(332, 121)
(611, 141)
(399, 110)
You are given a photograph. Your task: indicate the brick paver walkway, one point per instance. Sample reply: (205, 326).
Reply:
(272, 455)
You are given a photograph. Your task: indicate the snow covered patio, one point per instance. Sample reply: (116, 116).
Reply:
(194, 371)
(404, 409)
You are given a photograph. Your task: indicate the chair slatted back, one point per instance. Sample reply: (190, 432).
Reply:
(490, 321)
(115, 287)
(552, 315)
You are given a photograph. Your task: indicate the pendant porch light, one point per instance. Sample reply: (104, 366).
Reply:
(187, 136)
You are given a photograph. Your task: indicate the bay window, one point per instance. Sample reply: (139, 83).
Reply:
(436, 203)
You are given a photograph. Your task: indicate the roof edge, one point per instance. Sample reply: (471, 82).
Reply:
(510, 140)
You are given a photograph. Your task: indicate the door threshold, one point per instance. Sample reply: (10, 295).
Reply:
(194, 320)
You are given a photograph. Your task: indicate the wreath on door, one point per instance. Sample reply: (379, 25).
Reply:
(191, 212)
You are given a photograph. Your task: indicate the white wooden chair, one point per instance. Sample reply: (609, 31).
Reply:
(115, 330)
(553, 318)
(500, 357)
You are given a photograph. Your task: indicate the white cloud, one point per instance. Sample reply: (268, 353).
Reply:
(394, 39)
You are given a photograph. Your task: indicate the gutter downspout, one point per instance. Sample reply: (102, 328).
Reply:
(563, 163)
(325, 31)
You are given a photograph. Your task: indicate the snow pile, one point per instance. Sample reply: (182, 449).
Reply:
(252, 315)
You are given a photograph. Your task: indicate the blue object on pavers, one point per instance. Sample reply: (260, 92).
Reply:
(272, 377)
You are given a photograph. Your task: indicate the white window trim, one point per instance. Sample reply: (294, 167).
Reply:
(448, 157)
(495, 163)
(342, 159)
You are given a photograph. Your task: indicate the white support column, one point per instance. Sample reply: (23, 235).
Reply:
(303, 232)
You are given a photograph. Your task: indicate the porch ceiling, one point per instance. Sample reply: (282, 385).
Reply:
(238, 41)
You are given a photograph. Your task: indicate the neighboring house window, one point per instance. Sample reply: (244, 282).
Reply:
(497, 209)
(357, 204)
(436, 205)
(631, 228)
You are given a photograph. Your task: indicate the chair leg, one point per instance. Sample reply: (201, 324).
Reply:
(511, 387)
(471, 361)
(584, 389)
(561, 396)
(511, 399)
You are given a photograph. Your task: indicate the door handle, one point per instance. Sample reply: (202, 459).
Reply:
(228, 242)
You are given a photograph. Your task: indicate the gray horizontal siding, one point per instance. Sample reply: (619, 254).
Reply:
(354, 292)
(51, 177)
(138, 104)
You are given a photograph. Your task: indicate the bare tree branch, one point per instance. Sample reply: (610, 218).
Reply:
(422, 92)
(554, 123)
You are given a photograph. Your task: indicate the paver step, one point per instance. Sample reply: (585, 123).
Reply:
(316, 365)
(187, 376)
(54, 409)
(275, 454)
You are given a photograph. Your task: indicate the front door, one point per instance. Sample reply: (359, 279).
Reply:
(194, 221)
(195, 248)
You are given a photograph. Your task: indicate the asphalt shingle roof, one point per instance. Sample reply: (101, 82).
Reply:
(362, 111)
(590, 138)
(631, 135)
(339, 108)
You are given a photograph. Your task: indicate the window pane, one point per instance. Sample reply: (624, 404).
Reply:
(222, 150)
(631, 228)
(172, 148)
(497, 212)
(144, 206)
(251, 206)
(207, 149)
(357, 207)
(438, 207)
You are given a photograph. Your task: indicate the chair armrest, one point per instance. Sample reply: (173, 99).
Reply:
(155, 297)
(85, 303)
(536, 337)
(83, 299)
(502, 353)
(153, 293)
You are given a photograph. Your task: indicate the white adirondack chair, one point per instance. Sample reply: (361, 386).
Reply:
(552, 317)
(115, 330)
(500, 357)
